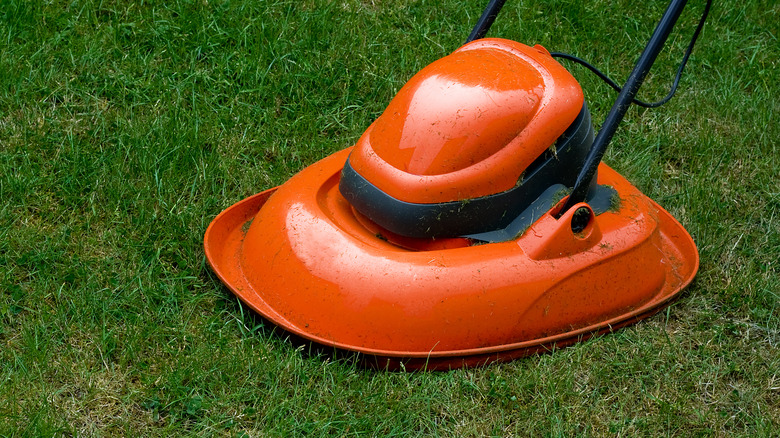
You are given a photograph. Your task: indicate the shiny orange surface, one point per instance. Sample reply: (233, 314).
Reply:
(457, 132)
(301, 257)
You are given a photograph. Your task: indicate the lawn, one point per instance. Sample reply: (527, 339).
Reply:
(127, 126)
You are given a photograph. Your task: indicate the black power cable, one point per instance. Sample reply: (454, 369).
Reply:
(623, 101)
(617, 88)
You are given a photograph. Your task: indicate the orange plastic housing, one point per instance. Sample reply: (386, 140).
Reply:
(300, 256)
(456, 132)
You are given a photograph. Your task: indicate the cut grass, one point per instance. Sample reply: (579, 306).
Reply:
(125, 127)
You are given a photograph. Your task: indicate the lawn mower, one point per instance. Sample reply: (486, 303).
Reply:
(472, 222)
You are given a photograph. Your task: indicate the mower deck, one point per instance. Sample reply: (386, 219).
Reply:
(303, 258)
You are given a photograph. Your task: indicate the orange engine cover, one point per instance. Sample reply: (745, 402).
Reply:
(456, 132)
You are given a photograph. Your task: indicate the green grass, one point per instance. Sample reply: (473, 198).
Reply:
(125, 127)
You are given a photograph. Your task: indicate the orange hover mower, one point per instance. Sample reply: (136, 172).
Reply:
(471, 223)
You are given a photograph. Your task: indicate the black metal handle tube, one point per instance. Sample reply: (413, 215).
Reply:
(486, 20)
(607, 131)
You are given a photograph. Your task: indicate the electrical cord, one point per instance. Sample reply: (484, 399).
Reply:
(677, 77)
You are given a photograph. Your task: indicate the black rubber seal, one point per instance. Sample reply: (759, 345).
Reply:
(477, 215)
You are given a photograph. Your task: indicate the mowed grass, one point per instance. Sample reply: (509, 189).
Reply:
(125, 127)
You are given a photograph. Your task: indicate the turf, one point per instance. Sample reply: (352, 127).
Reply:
(126, 126)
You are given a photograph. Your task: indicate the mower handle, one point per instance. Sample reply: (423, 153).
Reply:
(623, 101)
(486, 20)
